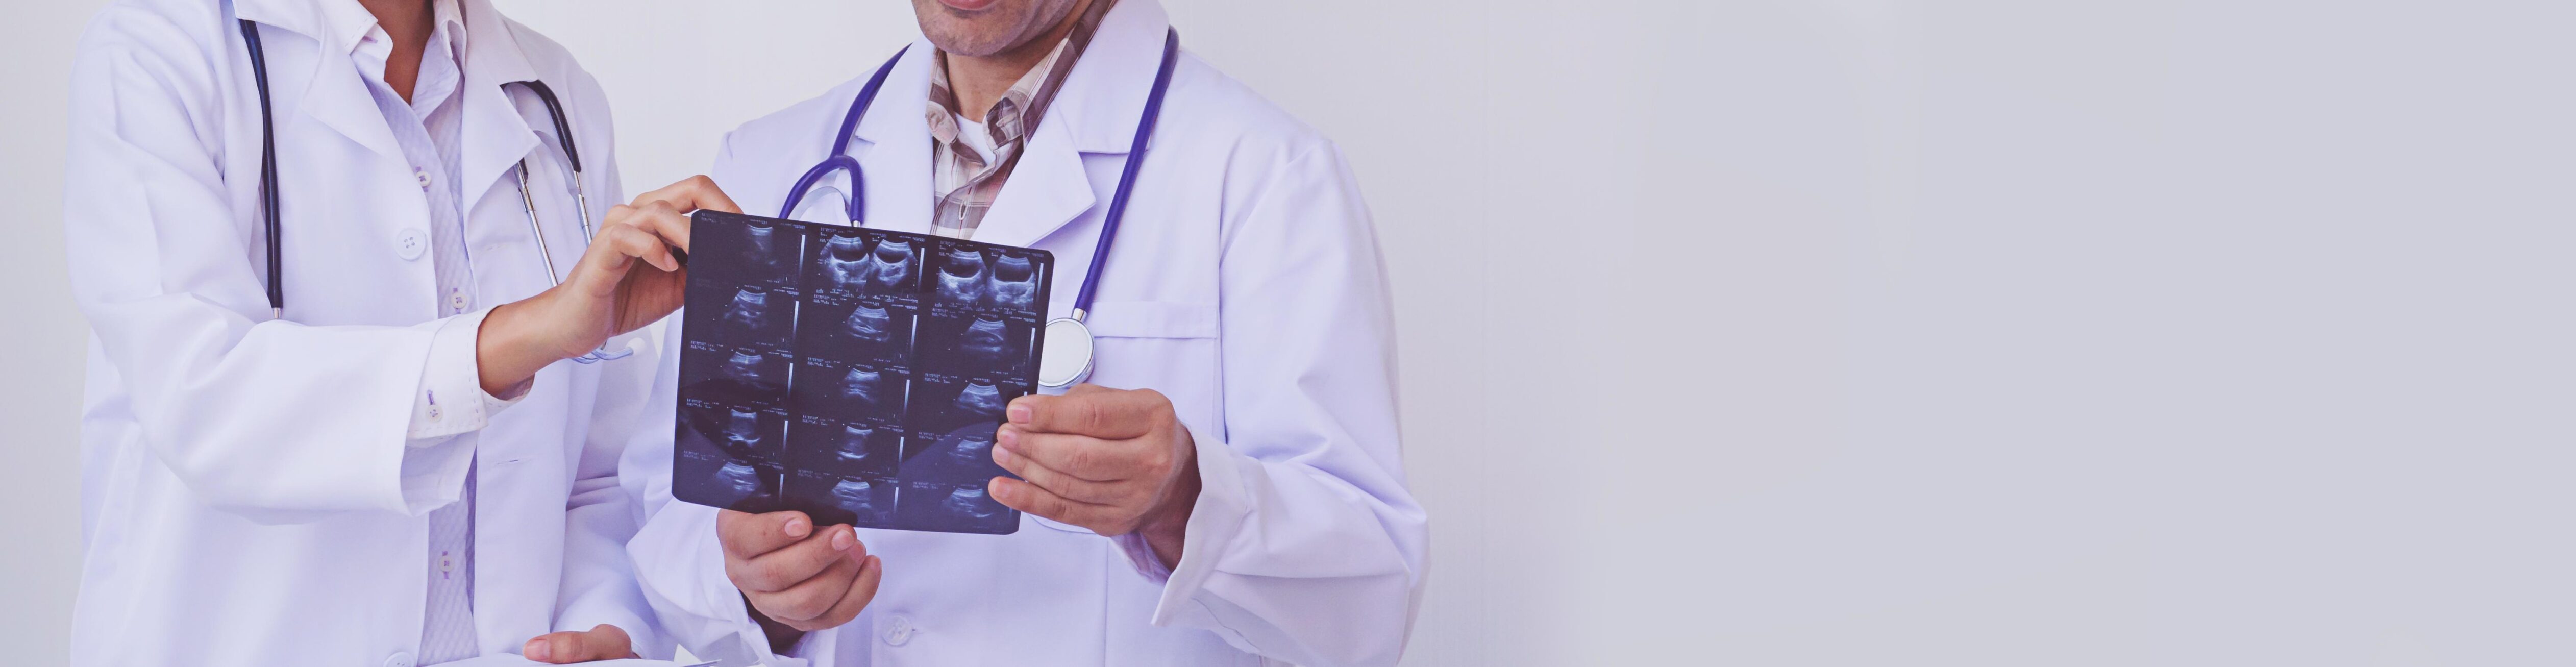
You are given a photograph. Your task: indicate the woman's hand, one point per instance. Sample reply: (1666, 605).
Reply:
(603, 642)
(628, 278)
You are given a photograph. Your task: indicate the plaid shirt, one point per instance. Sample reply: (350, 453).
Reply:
(963, 182)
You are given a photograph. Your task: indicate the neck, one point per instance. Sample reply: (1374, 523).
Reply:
(979, 81)
(410, 23)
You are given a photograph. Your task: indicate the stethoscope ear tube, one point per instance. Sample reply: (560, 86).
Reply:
(267, 170)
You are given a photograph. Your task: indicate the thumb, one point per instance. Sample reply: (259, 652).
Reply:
(605, 642)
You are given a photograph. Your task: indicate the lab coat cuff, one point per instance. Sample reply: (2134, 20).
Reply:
(451, 399)
(1222, 506)
(433, 473)
(735, 612)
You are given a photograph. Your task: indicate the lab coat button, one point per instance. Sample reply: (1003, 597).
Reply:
(411, 243)
(898, 631)
(398, 659)
(423, 174)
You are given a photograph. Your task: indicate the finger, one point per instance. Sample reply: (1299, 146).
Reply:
(602, 642)
(809, 599)
(746, 535)
(617, 243)
(664, 220)
(1091, 491)
(642, 243)
(793, 564)
(693, 193)
(862, 591)
(1100, 413)
(1079, 456)
(1027, 497)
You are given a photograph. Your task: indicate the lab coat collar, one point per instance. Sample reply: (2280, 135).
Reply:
(897, 161)
(337, 25)
(337, 94)
(1105, 94)
(1095, 112)
(496, 135)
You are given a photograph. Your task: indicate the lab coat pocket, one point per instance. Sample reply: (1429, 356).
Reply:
(1166, 346)
(1152, 319)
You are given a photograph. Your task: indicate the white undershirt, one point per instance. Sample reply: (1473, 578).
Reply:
(975, 136)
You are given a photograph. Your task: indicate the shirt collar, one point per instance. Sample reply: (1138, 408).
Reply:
(449, 19)
(1025, 102)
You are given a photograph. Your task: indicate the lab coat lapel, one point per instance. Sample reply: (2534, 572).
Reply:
(496, 134)
(336, 93)
(896, 151)
(1046, 190)
(1095, 112)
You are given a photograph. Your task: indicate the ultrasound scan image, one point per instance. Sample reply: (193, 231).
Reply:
(853, 374)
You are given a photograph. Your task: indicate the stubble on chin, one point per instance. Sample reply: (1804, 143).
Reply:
(994, 30)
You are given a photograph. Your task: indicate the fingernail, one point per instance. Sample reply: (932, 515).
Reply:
(1002, 455)
(842, 539)
(1007, 438)
(797, 528)
(1019, 413)
(539, 649)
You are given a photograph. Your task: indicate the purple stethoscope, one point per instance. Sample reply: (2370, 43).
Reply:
(1067, 356)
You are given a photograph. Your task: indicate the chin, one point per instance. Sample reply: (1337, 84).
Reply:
(990, 30)
(967, 40)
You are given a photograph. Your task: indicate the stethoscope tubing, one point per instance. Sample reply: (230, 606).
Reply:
(840, 159)
(1127, 176)
(267, 170)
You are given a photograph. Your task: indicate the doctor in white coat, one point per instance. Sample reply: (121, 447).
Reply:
(393, 471)
(1238, 499)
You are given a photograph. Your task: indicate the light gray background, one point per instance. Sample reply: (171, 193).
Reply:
(1975, 332)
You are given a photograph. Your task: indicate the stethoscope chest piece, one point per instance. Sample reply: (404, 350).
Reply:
(1065, 358)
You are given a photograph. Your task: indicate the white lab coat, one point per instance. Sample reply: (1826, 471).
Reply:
(249, 497)
(1245, 284)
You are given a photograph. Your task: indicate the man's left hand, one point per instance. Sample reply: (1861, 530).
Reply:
(1114, 461)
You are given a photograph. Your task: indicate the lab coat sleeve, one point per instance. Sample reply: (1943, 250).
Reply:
(600, 517)
(274, 420)
(1304, 544)
(677, 559)
(676, 556)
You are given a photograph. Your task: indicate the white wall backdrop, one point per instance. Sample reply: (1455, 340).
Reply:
(1979, 332)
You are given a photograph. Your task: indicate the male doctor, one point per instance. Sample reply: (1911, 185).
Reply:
(399, 468)
(1228, 492)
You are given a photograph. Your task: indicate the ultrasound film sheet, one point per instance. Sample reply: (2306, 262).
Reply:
(853, 374)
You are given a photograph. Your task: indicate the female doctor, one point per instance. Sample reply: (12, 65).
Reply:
(367, 448)
(1238, 499)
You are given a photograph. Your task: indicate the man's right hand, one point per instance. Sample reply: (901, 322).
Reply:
(796, 578)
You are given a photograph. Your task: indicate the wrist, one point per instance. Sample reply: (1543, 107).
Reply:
(782, 638)
(510, 347)
(1167, 528)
